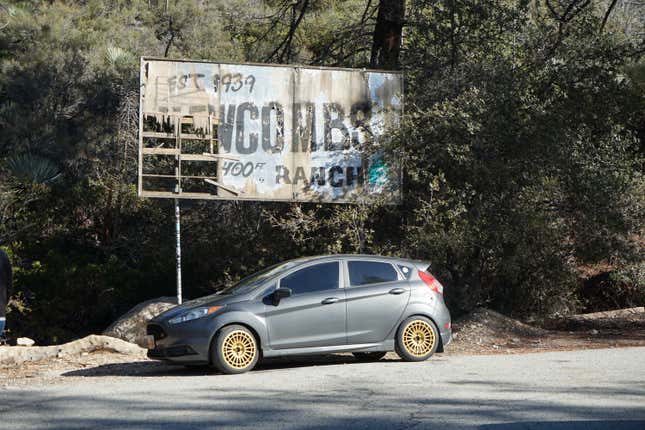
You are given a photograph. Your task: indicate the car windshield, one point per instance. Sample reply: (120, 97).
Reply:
(253, 281)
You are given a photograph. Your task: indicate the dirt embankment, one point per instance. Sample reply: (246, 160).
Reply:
(485, 332)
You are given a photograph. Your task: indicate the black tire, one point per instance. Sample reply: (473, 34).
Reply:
(369, 356)
(235, 350)
(417, 339)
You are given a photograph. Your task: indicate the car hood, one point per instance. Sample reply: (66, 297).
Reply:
(212, 300)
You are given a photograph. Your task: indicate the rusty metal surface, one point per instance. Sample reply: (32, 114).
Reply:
(266, 132)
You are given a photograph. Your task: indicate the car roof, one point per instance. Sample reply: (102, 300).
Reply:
(358, 257)
(301, 261)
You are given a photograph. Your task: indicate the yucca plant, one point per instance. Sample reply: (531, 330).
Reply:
(117, 56)
(32, 168)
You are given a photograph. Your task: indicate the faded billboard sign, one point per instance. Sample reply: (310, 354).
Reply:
(266, 132)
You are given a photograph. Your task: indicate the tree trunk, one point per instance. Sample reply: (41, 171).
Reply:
(387, 34)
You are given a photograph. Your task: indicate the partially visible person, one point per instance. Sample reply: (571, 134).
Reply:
(5, 286)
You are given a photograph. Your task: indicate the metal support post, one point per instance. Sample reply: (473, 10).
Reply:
(178, 249)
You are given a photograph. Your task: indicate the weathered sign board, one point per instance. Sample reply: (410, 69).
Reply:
(266, 132)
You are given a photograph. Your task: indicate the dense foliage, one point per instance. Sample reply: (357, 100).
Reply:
(521, 150)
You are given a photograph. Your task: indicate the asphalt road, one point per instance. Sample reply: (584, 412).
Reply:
(591, 389)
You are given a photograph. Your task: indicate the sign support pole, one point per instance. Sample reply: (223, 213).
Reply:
(178, 249)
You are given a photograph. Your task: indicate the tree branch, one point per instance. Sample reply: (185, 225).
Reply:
(286, 42)
(606, 17)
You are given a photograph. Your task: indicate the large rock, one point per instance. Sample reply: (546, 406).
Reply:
(25, 341)
(22, 354)
(131, 326)
(621, 319)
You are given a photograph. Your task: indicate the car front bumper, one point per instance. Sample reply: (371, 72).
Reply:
(185, 344)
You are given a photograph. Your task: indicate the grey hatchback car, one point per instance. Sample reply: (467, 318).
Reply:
(366, 305)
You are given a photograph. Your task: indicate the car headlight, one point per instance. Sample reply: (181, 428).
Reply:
(193, 314)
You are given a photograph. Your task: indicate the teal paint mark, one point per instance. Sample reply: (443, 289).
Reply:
(377, 173)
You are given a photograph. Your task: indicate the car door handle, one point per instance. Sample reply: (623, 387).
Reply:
(397, 291)
(330, 300)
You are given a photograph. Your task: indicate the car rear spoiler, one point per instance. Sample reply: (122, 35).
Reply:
(423, 266)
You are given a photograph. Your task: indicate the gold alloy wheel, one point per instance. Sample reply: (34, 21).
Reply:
(418, 338)
(238, 349)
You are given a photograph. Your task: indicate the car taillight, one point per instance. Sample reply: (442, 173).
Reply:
(431, 282)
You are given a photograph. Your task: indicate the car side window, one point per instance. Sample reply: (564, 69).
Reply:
(370, 272)
(319, 277)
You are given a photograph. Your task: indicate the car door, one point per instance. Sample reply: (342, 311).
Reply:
(315, 313)
(376, 297)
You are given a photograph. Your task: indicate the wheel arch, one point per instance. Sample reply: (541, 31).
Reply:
(253, 328)
(425, 315)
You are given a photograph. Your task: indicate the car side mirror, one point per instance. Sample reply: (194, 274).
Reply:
(281, 293)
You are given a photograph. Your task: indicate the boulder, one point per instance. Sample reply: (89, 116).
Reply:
(131, 326)
(22, 354)
(25, 341)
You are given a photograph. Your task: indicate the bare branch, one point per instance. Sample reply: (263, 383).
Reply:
(285, 45)
(606, 17)
(573, 8)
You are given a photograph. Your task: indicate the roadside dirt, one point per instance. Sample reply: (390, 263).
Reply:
(488, 332)
(481, 332)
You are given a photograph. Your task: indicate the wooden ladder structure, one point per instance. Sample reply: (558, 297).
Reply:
(178, 136)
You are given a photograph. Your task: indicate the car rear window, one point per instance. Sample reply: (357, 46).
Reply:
(319, 277)
(370, 272)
